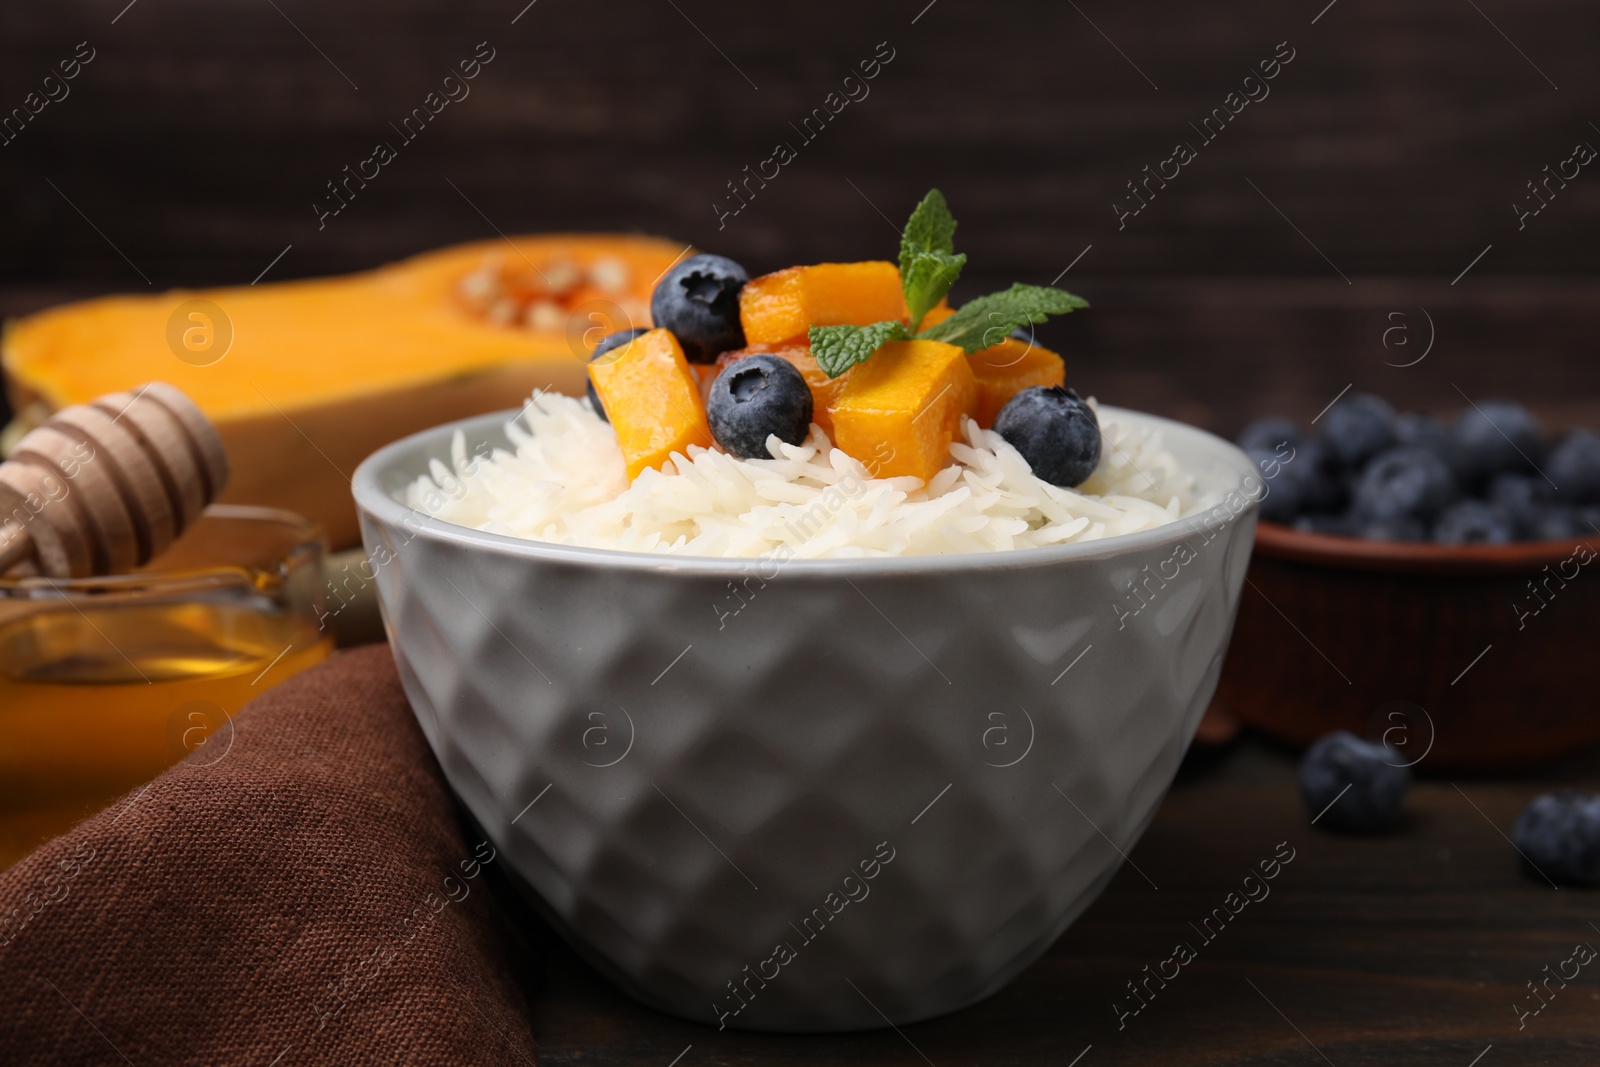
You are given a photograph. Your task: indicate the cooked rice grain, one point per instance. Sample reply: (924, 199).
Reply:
(566, 483)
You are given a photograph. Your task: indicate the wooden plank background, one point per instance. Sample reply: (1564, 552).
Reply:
(1387, 156)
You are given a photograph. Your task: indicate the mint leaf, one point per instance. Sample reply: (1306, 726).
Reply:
(988, 320)
(931, 227)
(929, 265)
(926, 279)
(838, 348)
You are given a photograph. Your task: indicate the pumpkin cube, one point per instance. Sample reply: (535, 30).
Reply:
(898, 412)
(785, 304)
(1007, 369)
(652, 397)
(937, 314)
(798, 355)
(705, 374)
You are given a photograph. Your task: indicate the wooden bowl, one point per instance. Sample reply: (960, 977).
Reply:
(1464, 657)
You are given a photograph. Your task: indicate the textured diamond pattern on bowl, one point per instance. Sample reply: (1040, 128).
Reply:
(697, 791)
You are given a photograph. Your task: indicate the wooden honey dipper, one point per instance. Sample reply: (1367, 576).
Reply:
(104, 487)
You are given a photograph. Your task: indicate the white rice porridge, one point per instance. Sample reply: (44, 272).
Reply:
(567, 483)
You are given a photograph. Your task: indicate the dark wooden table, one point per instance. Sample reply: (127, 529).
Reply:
(1267, 278)
(1405, 949)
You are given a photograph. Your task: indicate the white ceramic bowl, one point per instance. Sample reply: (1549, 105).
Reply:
(819, 796)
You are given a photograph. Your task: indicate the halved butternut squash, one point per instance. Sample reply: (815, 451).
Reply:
(783, 305)
(898, 412)
(1007, 369)
(652, 396)
(319, 373)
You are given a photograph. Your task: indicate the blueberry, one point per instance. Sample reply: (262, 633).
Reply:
(1056, 432)
(1358, 427)
(1423, 431)
(1268, 433)
(1284, 498)
(616, 340)
(1473, 522)
(1404, 483)
(1575, 467)
(1524, 498)
(607, 343)
(1353, 785)
(1559, 835)
(755, 397)
(1324, 485)
(1498, 435)
(1300, 474)
(698, 301)
(1556, 522)
(1391, 529)
(1339, 525)
(1299, 480)
(1431, 435)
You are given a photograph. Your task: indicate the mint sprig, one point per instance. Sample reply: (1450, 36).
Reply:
(988, 320)
(838, 348)
(929, 266)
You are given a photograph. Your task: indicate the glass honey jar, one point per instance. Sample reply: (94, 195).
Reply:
(105, 682)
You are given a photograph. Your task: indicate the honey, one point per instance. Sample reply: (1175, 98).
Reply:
(95, 701)
(106, 683)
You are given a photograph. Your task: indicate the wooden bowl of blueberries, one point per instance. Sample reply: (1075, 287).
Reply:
(1427, 583)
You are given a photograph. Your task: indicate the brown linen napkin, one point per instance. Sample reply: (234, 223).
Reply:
(303, 896)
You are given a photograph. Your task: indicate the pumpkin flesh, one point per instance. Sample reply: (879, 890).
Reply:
(322, 372)
(1007, 369)
(652, 396)
(898, 412)
(783, 305)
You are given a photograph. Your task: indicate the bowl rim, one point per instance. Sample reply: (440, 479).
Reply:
(1280, 542)
(373, 501)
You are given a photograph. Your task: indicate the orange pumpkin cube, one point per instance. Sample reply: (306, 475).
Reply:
(898, 412)
(798, 355)
(1007, 369)
(937, 314)
(704, 375)
(652, 397)
(785, 304)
